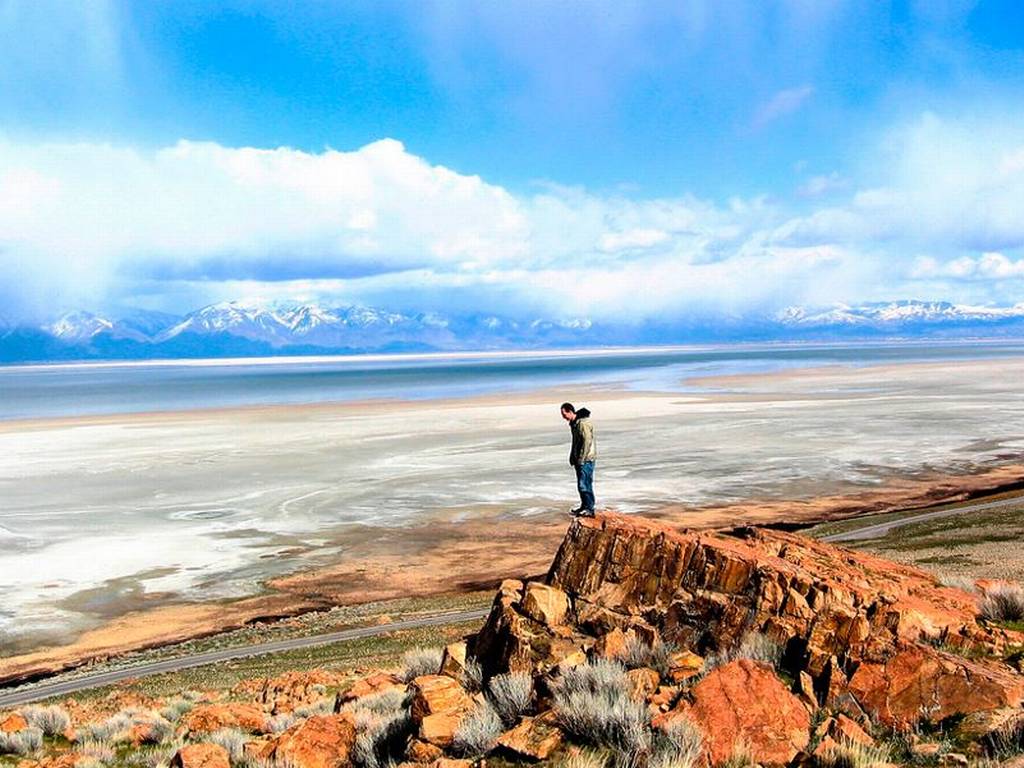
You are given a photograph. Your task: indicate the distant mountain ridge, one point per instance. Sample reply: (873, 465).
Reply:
(253, 327)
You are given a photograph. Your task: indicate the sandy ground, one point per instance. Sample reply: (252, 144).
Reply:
(188, 523)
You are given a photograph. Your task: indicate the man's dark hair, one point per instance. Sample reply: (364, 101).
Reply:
(568, 408)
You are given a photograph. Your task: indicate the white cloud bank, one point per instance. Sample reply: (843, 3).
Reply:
(89, 224)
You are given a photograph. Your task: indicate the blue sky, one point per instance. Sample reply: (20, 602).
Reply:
(532, 156)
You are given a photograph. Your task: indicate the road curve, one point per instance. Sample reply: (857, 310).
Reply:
(881, 529)
(37, 691)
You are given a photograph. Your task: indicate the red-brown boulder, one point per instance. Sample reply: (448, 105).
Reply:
(535, 738)
(745, 703)
(924, 684)
(13, 722)
(321, 741)
(207, 718)
(201, 756)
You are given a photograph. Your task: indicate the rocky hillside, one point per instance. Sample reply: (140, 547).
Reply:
(644, 646)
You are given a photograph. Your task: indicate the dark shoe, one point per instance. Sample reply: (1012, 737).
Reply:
(577, 512)
(587, 513)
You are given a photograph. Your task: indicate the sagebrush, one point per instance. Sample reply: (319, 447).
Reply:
(478, 732)
(511, 695)
(421, 661)
(593, 703)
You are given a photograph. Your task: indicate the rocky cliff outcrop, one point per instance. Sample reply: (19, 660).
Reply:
(881, 644)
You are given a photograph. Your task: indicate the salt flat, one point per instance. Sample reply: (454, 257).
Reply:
(108, 515)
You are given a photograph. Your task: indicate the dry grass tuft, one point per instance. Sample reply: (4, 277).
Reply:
(639, 654)
(421, 661)
(472, 677)
(1003, 603)
(848, 754)
(680, 744)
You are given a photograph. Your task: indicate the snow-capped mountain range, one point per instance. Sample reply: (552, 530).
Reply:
(254, 327)
(896, 314)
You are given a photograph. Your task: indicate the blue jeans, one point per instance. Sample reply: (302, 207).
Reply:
(585, 484)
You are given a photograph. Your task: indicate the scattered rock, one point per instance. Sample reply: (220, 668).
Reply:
(207, 718)
(545, 604)
(926, 750)
(683, 665)
(368, 686)
(259, 749)
(805, 689)
(453, 663)
(13, 722)
(201, 756)
(422, 751)
(846, 728)
(534, 738)
(825, 747)
(643, 682)
(612, 644)
(321, 741)
(289, 691)
(438, 705)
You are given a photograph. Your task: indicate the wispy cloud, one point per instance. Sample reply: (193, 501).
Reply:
(987, 267)
(823, 184)
(782, 103)
(95, 223)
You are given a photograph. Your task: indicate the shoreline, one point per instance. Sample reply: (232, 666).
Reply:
(512, 354)
(453, 558)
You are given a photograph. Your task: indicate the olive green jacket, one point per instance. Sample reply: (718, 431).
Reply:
(584, 444)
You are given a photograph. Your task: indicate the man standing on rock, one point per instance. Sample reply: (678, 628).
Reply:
(582, 456)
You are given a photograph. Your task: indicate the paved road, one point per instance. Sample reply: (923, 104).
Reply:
(38, 691)
(881, 529)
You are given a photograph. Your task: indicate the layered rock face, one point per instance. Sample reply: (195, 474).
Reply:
(870, 640)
